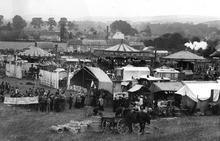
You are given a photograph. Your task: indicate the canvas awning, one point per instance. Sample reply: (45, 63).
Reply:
(135, 88)
(165, 86)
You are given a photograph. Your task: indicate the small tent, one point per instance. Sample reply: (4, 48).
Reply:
(88, 77)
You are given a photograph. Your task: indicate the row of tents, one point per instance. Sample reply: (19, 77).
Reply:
(195, 94)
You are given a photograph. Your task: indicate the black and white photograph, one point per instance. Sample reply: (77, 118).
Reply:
(109, 70)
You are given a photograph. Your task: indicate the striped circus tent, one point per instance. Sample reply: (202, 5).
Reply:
(35, 51)
(122, 48)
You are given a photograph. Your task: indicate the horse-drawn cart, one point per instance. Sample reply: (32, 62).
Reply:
(114, 124)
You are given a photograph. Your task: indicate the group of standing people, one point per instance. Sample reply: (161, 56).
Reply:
(5, 87)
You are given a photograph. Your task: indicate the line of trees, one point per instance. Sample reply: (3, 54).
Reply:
(16, 29)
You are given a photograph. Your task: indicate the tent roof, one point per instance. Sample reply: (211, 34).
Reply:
(135, 88)
(122, 47)
(35, 51)
(184, 55)
(198, 90)
(99, 74)
(165, 86)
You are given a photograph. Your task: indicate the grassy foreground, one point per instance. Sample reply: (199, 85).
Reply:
(20, 124)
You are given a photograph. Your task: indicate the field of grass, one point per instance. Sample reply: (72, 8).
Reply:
(21, 124)
(14, 45)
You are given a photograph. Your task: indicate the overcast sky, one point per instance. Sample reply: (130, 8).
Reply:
(76, 9)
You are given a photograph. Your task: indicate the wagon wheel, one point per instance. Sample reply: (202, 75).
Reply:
(136, 128)
(122, 128)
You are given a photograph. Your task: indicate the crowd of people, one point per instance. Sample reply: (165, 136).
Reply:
(49, 101)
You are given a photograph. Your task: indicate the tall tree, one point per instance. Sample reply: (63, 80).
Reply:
(63, 31)
(123, 27)
(18, 23)
(63, 21)
(1, 19)
(51, 22)
(37, 22)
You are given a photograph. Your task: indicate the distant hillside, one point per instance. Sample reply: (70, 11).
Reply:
(187, 29)
(215, 23)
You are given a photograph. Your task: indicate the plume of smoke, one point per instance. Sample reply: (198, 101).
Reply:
(196, 45)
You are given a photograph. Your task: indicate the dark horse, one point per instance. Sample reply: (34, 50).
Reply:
(133, 117)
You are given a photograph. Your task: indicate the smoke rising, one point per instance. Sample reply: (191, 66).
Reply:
(196, 45)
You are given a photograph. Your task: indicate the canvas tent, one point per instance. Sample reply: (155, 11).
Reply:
(88, 76)
(198, 93)
(129, 73)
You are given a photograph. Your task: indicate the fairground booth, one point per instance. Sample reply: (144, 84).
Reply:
(165, 91)
(187, 63)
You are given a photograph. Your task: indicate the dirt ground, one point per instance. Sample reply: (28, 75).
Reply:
(21, 124)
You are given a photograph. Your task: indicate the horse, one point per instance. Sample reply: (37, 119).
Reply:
(134, 117)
